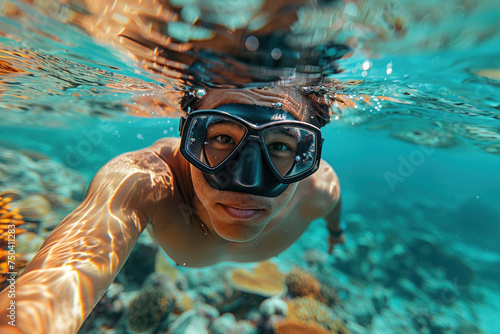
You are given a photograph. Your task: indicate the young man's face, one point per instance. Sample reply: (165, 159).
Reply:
(236, 216)
(242, 206)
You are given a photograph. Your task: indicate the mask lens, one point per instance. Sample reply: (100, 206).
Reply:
(291, 149)
(211, 139)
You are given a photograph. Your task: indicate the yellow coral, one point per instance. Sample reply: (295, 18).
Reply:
(10, 220)
(310, 311)
(302, 284)
(183, 303)
(265, 280)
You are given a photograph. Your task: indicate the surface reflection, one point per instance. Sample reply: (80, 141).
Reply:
(220, 43)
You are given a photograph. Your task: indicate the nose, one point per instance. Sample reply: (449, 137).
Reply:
(249, 169)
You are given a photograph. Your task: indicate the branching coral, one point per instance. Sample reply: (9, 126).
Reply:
(10, 220)
(146, 311)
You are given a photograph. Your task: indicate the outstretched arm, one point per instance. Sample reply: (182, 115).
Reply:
(336, 235)
(81, 257)
(329, 199)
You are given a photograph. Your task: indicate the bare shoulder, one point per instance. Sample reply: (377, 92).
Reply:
(325, 184)
(322, 190)
(143, 169)
(145, 161)
(151, 160)
(169, 144)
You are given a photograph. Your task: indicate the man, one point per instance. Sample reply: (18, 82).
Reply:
(239, 185)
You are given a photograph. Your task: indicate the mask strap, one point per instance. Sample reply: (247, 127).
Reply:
(191, 97)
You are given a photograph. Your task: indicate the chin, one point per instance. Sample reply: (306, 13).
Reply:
(237, 232)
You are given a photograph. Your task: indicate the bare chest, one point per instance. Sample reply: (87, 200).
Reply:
(188, 242)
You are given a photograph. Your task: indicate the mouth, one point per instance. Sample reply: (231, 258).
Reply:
(240, 213)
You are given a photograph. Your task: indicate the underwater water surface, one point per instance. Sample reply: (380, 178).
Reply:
(414, 139)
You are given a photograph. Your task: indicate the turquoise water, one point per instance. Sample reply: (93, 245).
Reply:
(419, 171)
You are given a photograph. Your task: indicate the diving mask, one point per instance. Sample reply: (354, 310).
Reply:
(250, 149)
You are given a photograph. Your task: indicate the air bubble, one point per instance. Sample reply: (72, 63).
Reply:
(276, 53)
(252, 43)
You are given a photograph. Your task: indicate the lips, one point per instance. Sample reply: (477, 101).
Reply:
(239, 213)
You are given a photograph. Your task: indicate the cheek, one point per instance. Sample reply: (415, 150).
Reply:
(203, 191)
(284, 198)
(196, 178)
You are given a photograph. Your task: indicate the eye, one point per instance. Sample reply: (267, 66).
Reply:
(279, 147)
(224, 139)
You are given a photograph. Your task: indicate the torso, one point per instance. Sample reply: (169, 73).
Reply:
(177, 228)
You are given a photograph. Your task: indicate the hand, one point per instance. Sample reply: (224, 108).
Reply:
(332, 241)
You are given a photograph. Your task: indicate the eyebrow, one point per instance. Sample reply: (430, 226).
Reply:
(285, 132)
(222, 121)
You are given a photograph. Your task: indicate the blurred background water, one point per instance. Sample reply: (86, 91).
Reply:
(419, 171)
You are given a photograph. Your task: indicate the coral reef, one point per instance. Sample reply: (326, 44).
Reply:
(379, 281)
(148, 309)
(24, 171)
(264, 280)
(45, 192)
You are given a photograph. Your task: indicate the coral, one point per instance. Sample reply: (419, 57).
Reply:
(292, 326)
(146, 311)
(310, 311)
(184, 303)
(163, 265)
(314, 257)
(265, 280)
(47, 190)
(10, 220)
(34, 207)
(190, 322)
(273, 305)
(301, 284)
(28, 243)
(329, 296)
(224, 324)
